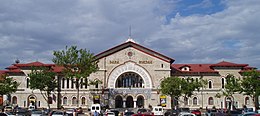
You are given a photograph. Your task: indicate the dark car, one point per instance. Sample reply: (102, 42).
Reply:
(171, 112)
(128, 113)
(115, 111)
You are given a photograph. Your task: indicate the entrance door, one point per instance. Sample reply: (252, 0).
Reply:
(129, 102)
(119, 102)
(140, 101)
(31, 101)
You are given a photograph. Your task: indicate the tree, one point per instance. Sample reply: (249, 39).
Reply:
(232, 86)
(43, 79)
(7, 85)
(251, 85)
(188, 86)
(77, 63)
(176, 87)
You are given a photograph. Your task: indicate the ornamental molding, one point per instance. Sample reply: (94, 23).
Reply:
(129, 67)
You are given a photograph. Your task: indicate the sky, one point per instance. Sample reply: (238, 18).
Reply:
(189, 31)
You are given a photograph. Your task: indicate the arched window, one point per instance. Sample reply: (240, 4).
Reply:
(65, 101)
(63, 82)
(83, 101)
(210, 84)
(247, 101)
(210, 101)
(129, 79)
(195, 101)
(74, 101)
(14, 100)
(185, 101)
(223, 83)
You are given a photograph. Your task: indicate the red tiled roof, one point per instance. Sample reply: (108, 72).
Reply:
(57, 69)
(33, 64)
(2, 71)
(14, 71)
(228, 64)
(202, 68)
(11, 67)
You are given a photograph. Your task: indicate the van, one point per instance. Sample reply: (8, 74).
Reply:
(158, 110)
(95, 107)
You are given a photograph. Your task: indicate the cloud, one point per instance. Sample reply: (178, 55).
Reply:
(30, 30)
(231, 34)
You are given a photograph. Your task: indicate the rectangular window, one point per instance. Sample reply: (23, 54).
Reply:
(72, 83)
(68, 83)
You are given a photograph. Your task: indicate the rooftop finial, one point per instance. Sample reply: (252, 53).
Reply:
(130, 31)
(130, 34)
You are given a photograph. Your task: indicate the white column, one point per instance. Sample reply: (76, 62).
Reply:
(135, 103)
(124, 104)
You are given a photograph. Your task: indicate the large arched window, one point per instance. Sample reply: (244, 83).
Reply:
(74, 100)
(210, 84)
(14, 100)
(65, 100)
(195, 101)
(185, 101)
(129, 79)
(83, 101)
(210, 101)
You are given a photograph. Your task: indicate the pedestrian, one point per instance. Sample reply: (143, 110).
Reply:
(96, 113)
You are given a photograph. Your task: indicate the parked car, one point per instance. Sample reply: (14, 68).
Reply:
(128, 113)
(109, 113)
(196, 112)
(186, 114)
(36, 113)
(57, 113)
(8, 108)
(70, 112)
(115, 111)
(171, 112)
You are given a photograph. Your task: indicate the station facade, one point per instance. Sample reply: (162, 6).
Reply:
(131, 76)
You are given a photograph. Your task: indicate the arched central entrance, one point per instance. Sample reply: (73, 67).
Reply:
(129, 102)
(119, 102)
(140, 101)
(31, 100)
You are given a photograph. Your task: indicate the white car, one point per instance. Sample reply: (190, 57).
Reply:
(109, 114)
(186, 114)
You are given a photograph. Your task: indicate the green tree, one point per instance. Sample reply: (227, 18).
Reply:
(176, 87)
(7, 85)
(171, 86)
(232, 86)
(43, 78)
(77, 63)
(251, 85)
(189, 85)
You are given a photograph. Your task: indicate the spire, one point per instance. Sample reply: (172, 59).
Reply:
(129, 36)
